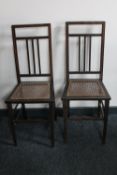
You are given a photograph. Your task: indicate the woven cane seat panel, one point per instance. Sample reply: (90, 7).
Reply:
(31, 91)
(86, 88)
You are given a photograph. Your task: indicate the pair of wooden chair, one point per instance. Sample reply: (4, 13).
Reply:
(28, 40)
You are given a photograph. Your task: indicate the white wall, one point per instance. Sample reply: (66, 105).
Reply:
(56, 12)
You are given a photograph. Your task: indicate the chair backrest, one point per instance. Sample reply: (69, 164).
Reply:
(29, 42)
(85, 36)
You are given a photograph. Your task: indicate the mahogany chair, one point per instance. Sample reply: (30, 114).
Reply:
(85, 48)
(32, 44)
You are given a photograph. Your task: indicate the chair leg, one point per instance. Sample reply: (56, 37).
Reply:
(99, 103)
(55, 112)
(11, 123)
(24, 111)
(68, 112)
(51, 121)
(55, 115)
(105, 121)
(65, 115)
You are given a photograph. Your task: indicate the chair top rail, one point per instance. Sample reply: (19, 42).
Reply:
(30, 25)
(85, 22)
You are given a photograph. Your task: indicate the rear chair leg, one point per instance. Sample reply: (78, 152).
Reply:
(55, 112)
(65, 115)
(51, 120)
(99, 106)
(68, 111)
(105, 121)
(24, 111)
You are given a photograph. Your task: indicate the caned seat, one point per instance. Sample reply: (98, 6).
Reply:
(87, 88)
(84, 70)
(31, 91)
(33, 60)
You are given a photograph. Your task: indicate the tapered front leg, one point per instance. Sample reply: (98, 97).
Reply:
(11, 123)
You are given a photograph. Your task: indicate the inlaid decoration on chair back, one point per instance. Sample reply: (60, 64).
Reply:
(85, 48)
(32, 50)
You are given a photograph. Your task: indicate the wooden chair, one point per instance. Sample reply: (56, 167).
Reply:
(28, 44)
(84, 81)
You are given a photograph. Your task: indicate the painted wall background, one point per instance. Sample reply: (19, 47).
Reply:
(57, 12)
